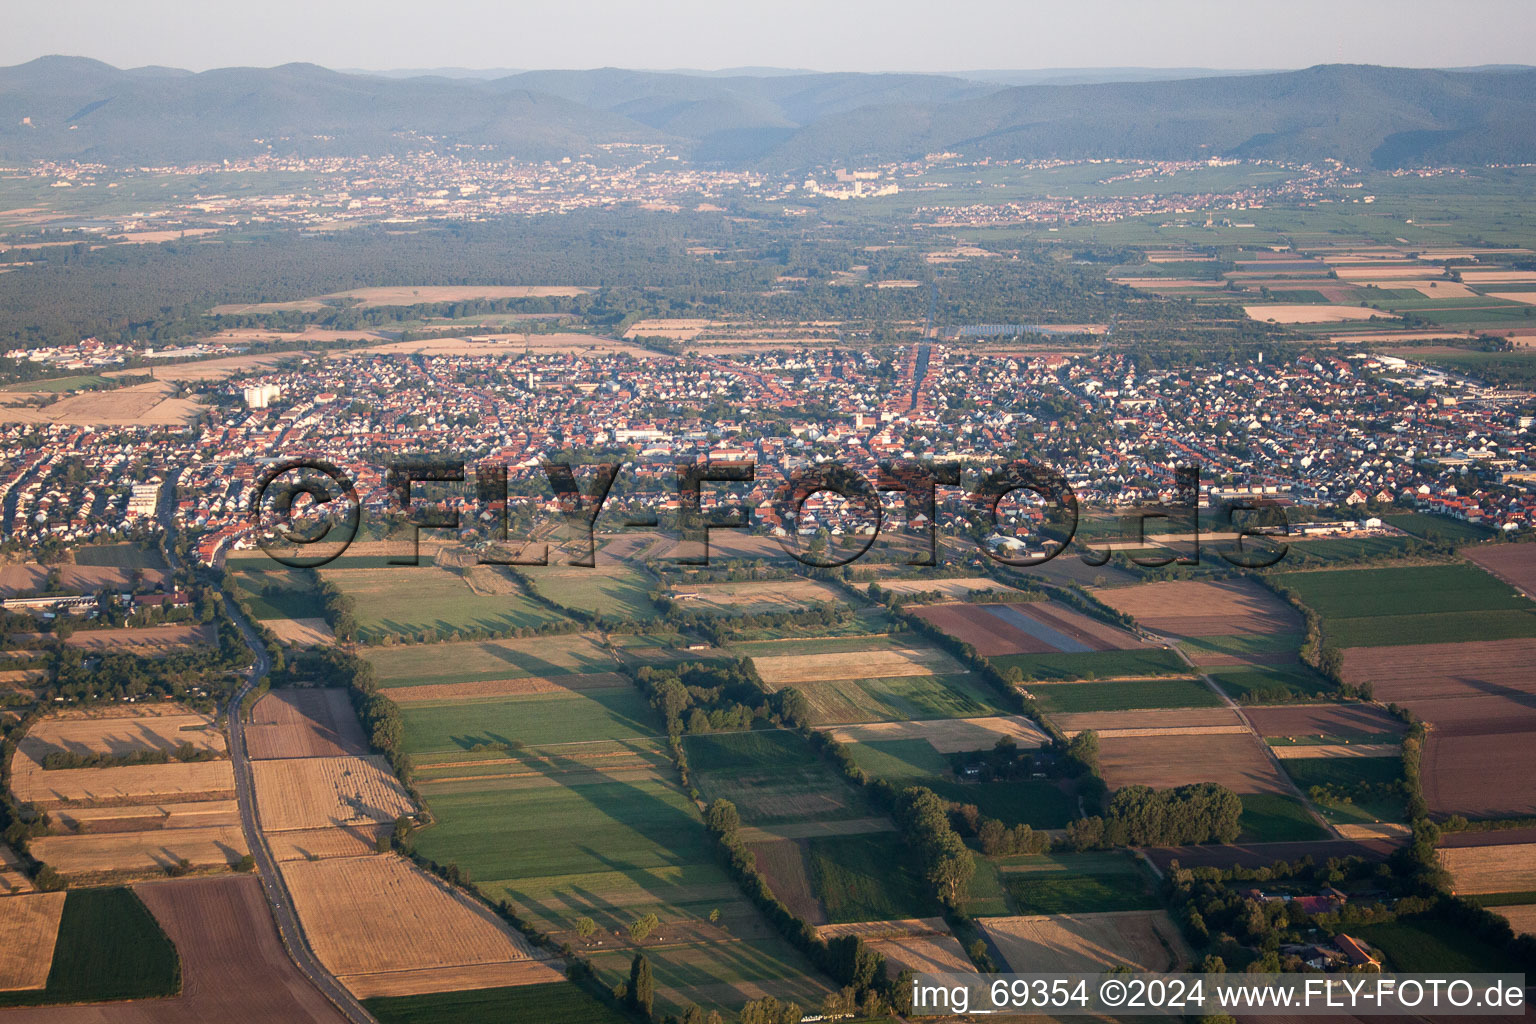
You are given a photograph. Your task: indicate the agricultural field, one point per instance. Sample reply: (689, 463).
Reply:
(302, 632)
(474, 661)
(121, 556)
(1271, 684)
(1477, 697)
(13, 879)
(951, 588)
(1515, 564)
(29, 926)
(1078, 883)
(1039, 803)
(948, 735)
(1123, 695)
(321, 792)
(798, 669)
(382, 915)
(1413, 605)
(1038, 627)
(277, 593)
(1327, 723)
(771, 777)
(108, 947)
(1277, 818)
(114, 732)
(756, 597)
(145, 641)
(1208, 721)
(1431, 944)
(616, 592)
(304, 723)
(721, 975)
(141, 853)
(28, 578)
(615, 712)
(1144, 940)
(523, 686)
(1123, 664)
(1490, 862)
(1199, 609)
(1352, 790)
(132, 784)
(557, 1002)
(871, 876)
(428, 601)
(1237, 761)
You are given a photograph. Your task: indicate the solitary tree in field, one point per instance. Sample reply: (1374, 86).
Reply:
(585, 926)
(643, 926)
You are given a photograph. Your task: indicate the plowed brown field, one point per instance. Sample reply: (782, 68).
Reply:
(1235, 760)
(1190, 608)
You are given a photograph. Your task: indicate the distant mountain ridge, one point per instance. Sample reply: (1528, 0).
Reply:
(74, 108)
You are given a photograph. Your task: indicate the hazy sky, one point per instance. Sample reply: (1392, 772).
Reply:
(829, 35)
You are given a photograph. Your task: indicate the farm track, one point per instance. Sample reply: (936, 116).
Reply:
(1258, 738)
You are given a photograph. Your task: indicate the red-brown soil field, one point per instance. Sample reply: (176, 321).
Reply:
(988, 629)
(1236, 760)
(1512, 563)
(305, 723)
(1324, 720)
(233, 967)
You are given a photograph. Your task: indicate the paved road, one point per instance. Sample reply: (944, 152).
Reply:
(272, 883)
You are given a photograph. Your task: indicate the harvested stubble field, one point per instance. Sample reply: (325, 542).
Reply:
(1193, 608)
(134, 784)
(469, 978)
(1338, 721)
(117, 733)
(1521, 917)
(320, 843)
(138, 405)
(1160, 722)
(1237, 761)
(1499, 862)
(522, 686)
(756, 597)
(487, 660)
(12, 878)
(302, 632)
(949, 735)
(30, 578)
(316, 792)
(305, 723)
(891, 662)
(29, 925)
(381, 914)
(141, 852)
(1144, 940)
(144, 640)
(956, 588)
(146, 817)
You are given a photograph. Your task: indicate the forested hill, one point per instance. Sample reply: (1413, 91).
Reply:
(71, 108)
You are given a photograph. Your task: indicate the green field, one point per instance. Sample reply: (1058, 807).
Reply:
(1124, 695)
(120, 556)
(1078, 883)
(988, 896)
(772, 777)
(1432, 944)
(1438, 528)
(1277, 818)
(1413, 605)
(109, 947)
(1146, 661)
(279, 593)
(58, 385)
(557, 1003)
(1363, 789)
(1344, 550)
(723, 975)
(619, 713)
(870, 877)
(1038, 803)
(424, 601)
(1242, 645)
(900, 698)
(1271, 684)
(613, 592)
(480, 661)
